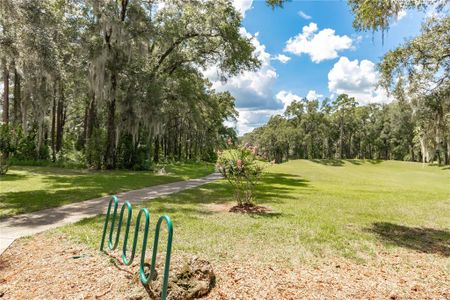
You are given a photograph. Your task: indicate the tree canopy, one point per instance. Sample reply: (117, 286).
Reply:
(119, 82)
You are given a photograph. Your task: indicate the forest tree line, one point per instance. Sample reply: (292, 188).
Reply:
(117, 83)
(342, 129)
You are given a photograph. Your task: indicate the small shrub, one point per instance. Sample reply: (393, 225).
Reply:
(242, 170)
(4, 165)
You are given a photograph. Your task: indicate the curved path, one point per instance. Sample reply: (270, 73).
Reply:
(32, 223)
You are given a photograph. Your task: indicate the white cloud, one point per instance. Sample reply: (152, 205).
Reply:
(313, 95)
(319, 45)
(357, 79)
(401, 14)
(242, 5)
(251, 119)
(304, 15)
(253, 91)
(287, 98)
(282, 58)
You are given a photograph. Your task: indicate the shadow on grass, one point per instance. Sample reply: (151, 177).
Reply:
(11, 177)
(426, 240)
(329, 162)
(277, 187)
(64, 186)
(274, 188)
(341, 162)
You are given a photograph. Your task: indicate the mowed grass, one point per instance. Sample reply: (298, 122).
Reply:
(321, 209)
(28, 189)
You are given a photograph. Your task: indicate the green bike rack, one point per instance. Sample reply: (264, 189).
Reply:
(113, 245)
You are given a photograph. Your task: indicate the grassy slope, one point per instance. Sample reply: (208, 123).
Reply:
(26, 189)
(323, 209)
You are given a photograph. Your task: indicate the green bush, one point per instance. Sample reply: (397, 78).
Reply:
(242, 170)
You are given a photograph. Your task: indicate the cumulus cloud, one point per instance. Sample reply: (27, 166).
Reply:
(357, 79)
(304, 15)
(242, 5)
(286, 98)
(251, 119)
(251, 89)
(313, 95)
(319, 45)
(282, 58)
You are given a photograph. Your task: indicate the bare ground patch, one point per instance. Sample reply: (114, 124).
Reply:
(51, 267)
(244, 208)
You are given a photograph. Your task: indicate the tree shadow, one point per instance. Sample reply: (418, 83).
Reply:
(426, 240)
(74, 187)
(267, 215)
(355, 162)
(274, 188)
(12, 177)
(374, 161)
(329, 162)
(277, 187)
(341, 162)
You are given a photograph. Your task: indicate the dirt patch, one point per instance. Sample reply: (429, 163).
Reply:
(250, 209)
(51, 267)
(245, 208)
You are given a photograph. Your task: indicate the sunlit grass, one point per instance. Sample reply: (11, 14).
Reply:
(353, 209)
(27, 189)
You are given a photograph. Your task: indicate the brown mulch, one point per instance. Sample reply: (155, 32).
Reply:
(250, 209)
(243, 208)
(48, 266)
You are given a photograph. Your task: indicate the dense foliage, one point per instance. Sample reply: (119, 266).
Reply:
(118, 83)
(417, 71)
(343, 129)
(242, 170)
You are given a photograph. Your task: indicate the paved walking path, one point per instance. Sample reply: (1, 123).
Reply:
(32, 223)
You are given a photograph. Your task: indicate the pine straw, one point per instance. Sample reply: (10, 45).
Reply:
(48, 266)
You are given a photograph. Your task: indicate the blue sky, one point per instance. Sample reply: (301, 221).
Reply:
(309, 49)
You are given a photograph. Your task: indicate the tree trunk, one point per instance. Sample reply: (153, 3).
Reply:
(156, 151)
(341, 140)
(53, 129)
(109, 159)
(60, 120)
(91, 118)
(5, 93)
(17, 98)
(446, 150)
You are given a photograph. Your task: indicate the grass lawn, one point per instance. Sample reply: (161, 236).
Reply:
(27, 189)
(321, 209)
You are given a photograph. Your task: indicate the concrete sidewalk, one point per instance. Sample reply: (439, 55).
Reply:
(32, 223)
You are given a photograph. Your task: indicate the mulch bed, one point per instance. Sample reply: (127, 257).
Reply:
(48, 266)
(244, 208)
(250, 209)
